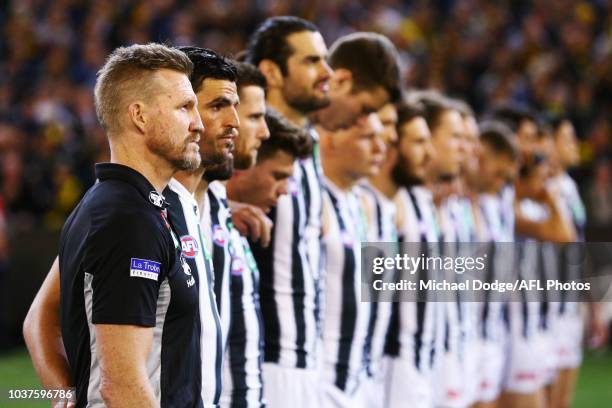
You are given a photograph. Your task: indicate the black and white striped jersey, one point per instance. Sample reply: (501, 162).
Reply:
(381, 227)
(570, 265)
(216, 217)
(290, 269)
(537, 261)
(494, 226)
(459, 233)
(414, 325)
(242, 382)
(462, 219)
(346, 322)
(381, 214)
(507, 197)
(571, 202)
(501, 260)
(185, 216)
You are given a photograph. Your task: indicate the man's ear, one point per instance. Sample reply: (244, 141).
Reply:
(272, 72)
(137, 115)
(342, 81)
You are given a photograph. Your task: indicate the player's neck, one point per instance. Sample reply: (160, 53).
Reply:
(200, 193)
(190, 179)
(344, 183)
(277, 102)
(559, 170)
(384, 183)
(340, 178)
(233, 186)
(153, 167)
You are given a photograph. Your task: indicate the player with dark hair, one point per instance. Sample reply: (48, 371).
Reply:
(460, 209)
(291, 53)
(381, 216)
(298, 87)
(447, 136)
(366, 77)
(522, 122)
(214, 81)
(497, 163)
(251, 111)
(348, 156)
(567, 335)
(412, 331)
(539, 223)
(221, 75)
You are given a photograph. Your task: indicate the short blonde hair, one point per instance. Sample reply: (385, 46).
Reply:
(126, 75)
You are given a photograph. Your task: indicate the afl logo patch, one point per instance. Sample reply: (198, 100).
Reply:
(189, 246)
(218, 235)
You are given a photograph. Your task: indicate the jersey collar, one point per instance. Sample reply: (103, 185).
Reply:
(115, 171)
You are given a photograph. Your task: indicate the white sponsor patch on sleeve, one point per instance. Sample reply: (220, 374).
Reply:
(143, 268)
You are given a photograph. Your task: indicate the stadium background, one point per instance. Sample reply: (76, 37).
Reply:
(553, 55)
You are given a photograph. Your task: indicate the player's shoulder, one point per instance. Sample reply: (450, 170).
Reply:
(218, 190)
(120, 207)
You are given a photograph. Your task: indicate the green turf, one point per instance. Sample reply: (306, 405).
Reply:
(594, 385)
(594, 388)
(16, 372)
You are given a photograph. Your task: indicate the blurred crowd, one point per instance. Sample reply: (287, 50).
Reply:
(553, 55)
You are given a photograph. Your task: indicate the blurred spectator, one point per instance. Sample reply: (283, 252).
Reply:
(555, 56)
(599, 194)
(4, 256)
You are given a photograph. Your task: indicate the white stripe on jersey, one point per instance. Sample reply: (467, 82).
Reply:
(242, 384)
(573, 209)
(381, 227)
(243, 373)
(414, 326)
(382, 222)
(571, 203)
(462, 230)
(346, 320)
(507, 196)
(211, 345)
(537, 261)
(492, 228)
(215, 216)
(422, 227)
(501, 260)
(313, 173)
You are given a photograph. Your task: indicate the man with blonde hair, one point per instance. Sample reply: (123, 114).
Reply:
(128, 300)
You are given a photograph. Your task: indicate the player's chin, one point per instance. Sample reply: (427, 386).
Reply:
(419, 174)
(193, 147)
(190, 161)
(321, 99)
(373, 169)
